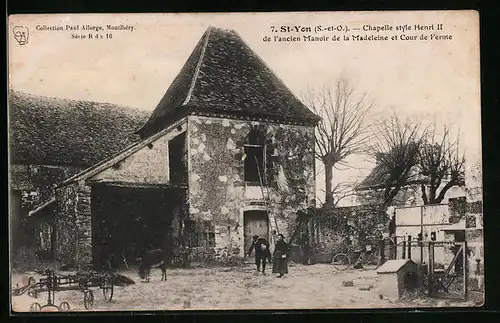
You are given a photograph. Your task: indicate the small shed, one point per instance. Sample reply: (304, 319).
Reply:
(397, 277)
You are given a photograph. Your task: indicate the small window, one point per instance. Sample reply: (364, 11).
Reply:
(476, 207)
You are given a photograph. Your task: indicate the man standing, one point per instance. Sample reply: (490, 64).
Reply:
(262, 252)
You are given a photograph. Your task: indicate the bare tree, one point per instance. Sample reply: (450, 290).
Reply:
(395, 146)
(340, 192)
(440, 161)
(342, 131)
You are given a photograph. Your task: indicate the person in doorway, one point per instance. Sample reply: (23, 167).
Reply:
(280, 263)
(262, 252)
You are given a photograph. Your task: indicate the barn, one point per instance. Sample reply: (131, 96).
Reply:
(51, 139)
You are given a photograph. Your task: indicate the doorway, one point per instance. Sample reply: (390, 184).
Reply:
(16, 226)
(256, 222)
(126, 221)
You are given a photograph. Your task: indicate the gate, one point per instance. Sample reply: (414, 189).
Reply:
(451, 281)
(443, 266)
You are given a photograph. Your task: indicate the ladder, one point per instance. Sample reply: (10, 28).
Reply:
(267, 200)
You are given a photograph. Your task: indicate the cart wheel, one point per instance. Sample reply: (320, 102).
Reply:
(64, 306)
(88, 299)
(107, 289)
(33, 293)
(341, 261)
(35, 307)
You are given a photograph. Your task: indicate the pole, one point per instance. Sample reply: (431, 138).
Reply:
(465, 267)
(395, 247)
(409, 247)
(430, 270)
(404, 248)
(421, 234)
(382, 251)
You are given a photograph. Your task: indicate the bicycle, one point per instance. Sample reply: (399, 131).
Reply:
(342, 261)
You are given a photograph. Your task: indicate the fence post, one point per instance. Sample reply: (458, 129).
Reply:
(404, 247)
(409, 247)
(395, 247)
(430, 270)
(465, 268)
(382, 251)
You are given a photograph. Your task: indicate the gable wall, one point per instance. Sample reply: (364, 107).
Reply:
(147, 165)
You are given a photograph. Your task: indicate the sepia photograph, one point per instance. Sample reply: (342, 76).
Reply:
(244, 161)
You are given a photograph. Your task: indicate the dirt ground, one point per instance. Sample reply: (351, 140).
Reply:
(306, 287)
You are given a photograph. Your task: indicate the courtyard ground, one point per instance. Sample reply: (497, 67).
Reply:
(306, 287)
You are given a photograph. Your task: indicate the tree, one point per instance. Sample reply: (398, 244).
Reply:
(395, 147)
(342, 131)
(440, 161)
(340, 192)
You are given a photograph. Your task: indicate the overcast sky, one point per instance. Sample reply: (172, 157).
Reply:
(433, 79)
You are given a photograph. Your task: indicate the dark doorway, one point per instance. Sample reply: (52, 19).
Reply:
(255, 223)
(128, 221)
(16, 227)
(177, 154)
(410, 282)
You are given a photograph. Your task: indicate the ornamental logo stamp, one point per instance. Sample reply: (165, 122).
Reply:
(21, 34)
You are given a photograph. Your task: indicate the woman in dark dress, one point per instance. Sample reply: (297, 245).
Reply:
(280, 257)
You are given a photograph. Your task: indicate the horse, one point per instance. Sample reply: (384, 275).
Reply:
(156, 258)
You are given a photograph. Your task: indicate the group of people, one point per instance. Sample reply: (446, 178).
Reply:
(263, 254)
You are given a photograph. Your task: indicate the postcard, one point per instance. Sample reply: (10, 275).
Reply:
(245, 161)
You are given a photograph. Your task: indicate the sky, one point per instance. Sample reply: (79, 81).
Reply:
(418, 79)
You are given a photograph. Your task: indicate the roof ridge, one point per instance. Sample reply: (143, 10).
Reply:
(198, 67)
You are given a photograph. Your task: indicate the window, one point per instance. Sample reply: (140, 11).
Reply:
(255, 156)
(199, 234)
(254, 163)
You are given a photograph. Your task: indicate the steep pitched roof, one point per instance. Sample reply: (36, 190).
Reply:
(223, 76)
(53, 131)
(376, 179)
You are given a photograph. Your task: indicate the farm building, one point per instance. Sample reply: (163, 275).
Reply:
(228, 153)
(50, 140)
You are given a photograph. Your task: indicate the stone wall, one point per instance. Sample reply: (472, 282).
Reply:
(339, 228)
(66, 229)
(74, 224)
(217, 190)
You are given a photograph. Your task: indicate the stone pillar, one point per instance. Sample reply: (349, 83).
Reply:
(84, 226)
(65, 223)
